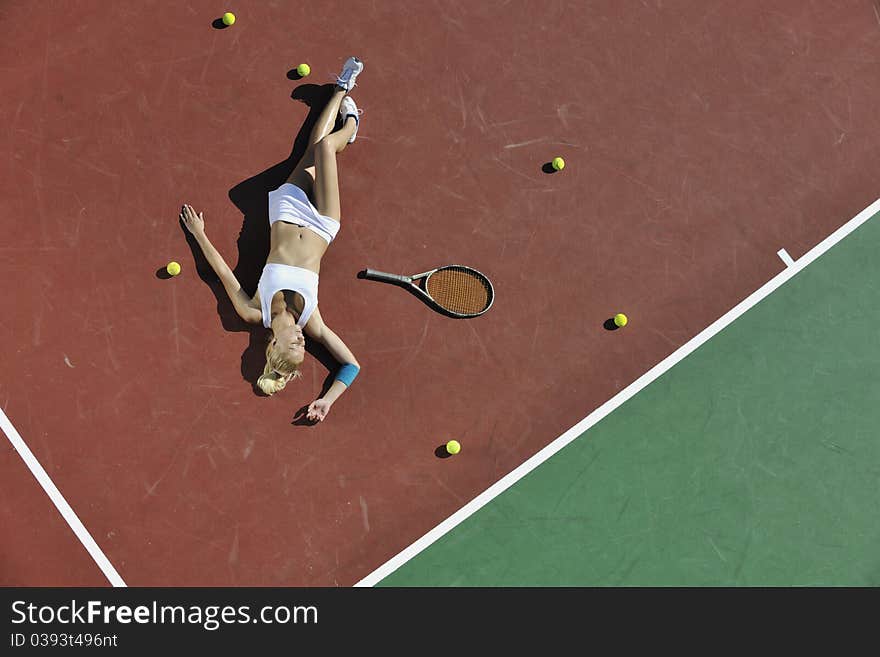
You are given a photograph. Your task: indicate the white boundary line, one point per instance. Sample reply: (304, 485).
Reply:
(787, 259)
(58, 499)
(643, 381)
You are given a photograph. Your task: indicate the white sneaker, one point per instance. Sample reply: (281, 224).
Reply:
(350, 71)
(348, 108)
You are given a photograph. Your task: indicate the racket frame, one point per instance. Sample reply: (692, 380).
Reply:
(410, 283)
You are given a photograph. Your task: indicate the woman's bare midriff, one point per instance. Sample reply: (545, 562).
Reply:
(296, 246)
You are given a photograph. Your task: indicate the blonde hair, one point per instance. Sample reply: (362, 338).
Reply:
(271, 381)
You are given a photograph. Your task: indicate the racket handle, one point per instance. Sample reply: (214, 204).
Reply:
(388, 278)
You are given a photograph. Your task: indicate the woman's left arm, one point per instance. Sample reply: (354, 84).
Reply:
(347, 372)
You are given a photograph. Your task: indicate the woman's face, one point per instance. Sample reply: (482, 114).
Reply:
(291, 342)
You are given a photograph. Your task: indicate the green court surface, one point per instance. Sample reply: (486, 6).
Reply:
(753, 462)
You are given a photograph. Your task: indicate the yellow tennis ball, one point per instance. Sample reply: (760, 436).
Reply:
(453, 447)
(228, 18)
(558, 163)
(620, 319)
(173, 268)
(303, 69)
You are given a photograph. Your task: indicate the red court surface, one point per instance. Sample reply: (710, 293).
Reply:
(700, 138)
(39, 549)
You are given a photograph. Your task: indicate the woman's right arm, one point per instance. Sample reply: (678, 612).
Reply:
(195, 223)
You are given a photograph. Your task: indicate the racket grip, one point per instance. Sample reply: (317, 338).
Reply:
(388, 278)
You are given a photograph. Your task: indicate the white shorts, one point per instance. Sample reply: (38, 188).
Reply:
(291, 205)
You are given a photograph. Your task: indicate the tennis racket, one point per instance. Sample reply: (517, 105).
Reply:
(455, 290)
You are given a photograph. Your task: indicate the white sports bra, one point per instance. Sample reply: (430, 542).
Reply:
(276, 277)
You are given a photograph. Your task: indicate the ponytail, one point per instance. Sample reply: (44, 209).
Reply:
(277, 372)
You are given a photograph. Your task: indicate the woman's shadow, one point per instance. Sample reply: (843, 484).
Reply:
(251, 197)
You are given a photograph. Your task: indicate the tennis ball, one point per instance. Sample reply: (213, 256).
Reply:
(453, 447)
(620, 319)
(228, 18)
(303, 69)
(558, 163)
(173, 268)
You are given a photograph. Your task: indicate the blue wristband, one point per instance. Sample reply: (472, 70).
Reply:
(347, 373)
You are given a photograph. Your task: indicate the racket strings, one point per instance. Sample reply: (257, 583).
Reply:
(459, 290)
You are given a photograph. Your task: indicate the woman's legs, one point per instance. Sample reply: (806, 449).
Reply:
(326, 174)
(303, 175)
(327, 118)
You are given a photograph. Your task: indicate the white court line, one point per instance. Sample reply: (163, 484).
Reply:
(787, 259)
(642, 382)
(58, 499)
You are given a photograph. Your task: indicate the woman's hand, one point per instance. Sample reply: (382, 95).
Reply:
(195, 223)
(318, 409)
